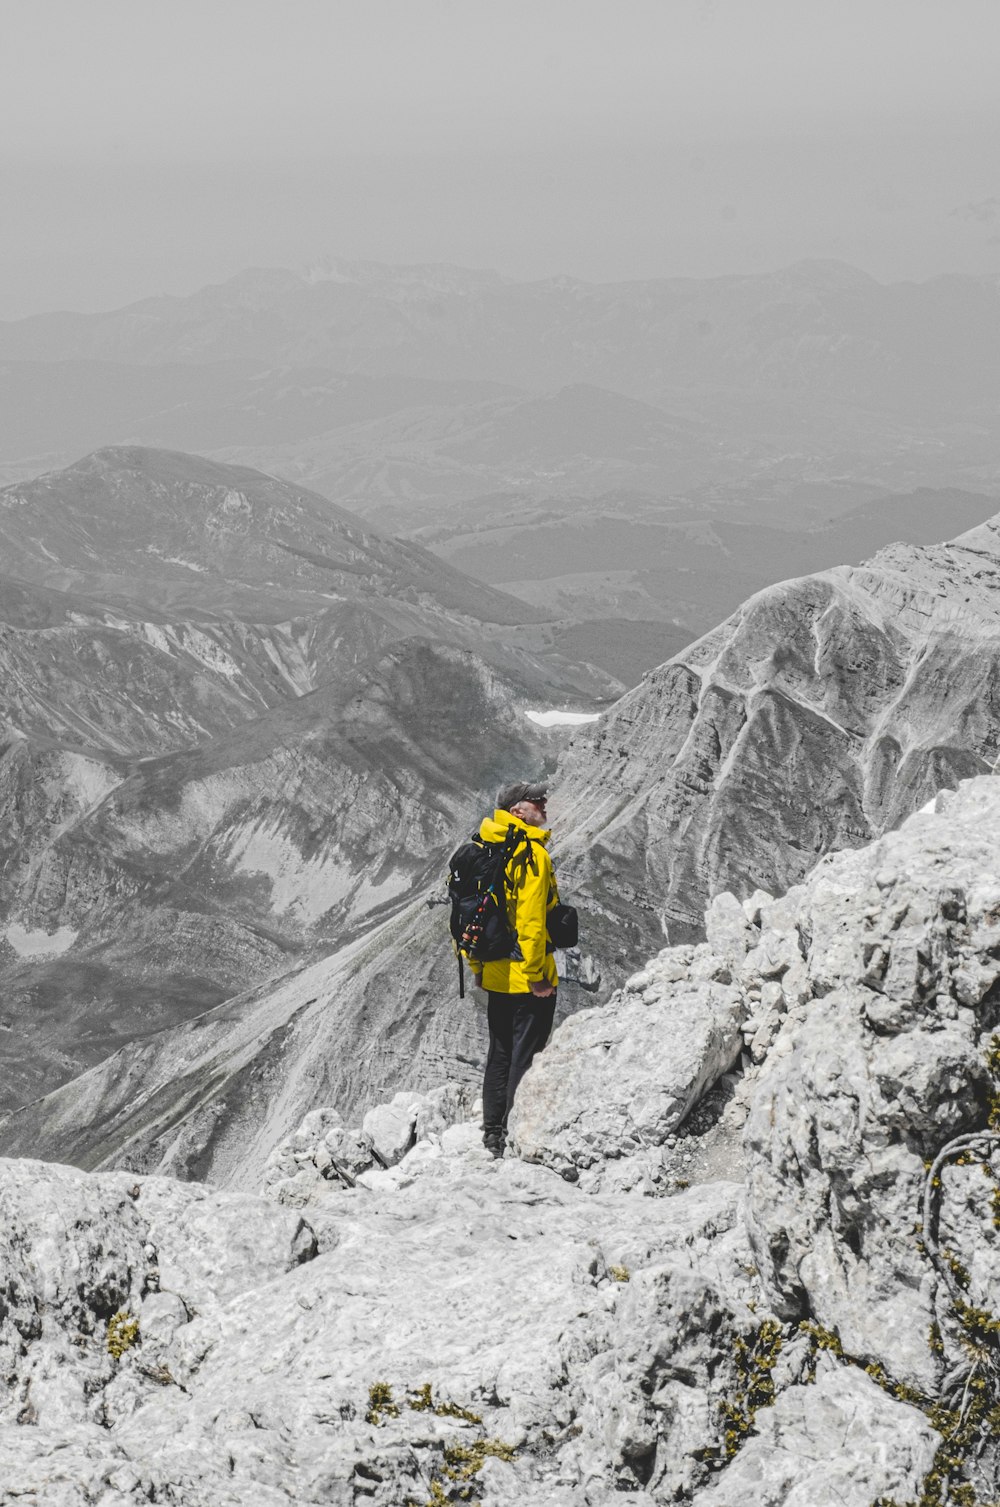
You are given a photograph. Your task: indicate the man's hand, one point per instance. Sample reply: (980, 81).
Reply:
(477, 980)
(541, 988)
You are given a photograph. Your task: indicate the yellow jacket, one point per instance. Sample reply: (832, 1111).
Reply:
(531, 894)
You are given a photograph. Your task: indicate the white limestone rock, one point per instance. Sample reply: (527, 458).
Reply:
(618, 1080)
(728, 929)
(391, 1128)
(885, 1067)
(595, 1326)
(492, 1283)
(840, 1443)
(323, 1152)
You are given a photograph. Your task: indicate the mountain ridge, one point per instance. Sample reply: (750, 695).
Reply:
(776, 321)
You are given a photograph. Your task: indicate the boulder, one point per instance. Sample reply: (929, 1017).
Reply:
(618, 1080)
(392, 1128)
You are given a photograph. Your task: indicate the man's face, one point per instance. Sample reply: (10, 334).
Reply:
(532, 812)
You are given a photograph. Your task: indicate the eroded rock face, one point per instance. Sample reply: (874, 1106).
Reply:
(865, 686)
(884, 1069)
(75, 1252)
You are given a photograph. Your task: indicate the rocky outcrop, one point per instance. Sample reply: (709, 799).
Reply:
(815, 1325)
(452, 1322)
(868, 997)
(640, 1064)
(323, 1149)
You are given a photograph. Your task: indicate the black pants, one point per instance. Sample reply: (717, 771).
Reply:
(520, 1025)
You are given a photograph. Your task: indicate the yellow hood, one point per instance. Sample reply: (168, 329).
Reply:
(494, 828)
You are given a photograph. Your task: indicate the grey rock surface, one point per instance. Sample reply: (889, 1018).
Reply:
(885, 1067)
(323, 1150)
(618, 1080)
(249, 1379)
(839, 1443)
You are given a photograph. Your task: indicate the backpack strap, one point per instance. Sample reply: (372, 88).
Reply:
(512, 843)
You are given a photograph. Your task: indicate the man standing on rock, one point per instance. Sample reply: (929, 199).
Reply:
(522, 987)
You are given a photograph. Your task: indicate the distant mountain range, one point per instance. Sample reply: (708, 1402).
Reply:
(815, 328)
(618, 434)
(607, 452)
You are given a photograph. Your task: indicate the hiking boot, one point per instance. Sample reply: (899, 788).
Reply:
(493, 1140)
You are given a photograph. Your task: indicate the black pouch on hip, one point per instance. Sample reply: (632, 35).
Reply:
(563, 926)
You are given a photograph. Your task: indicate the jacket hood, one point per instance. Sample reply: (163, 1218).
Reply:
(494, 828)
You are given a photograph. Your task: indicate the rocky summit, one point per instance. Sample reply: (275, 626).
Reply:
(743, 1247)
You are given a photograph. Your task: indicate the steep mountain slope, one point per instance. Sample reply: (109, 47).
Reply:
(125, 519)
(814, 718)
(120, 681)
(200, 872)
(155, 599)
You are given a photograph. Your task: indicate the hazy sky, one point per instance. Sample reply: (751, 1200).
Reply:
(154, 145)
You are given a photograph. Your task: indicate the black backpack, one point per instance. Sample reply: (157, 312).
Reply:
(477, 888)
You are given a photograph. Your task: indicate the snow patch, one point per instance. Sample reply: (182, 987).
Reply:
(39, 943)
(561, 719)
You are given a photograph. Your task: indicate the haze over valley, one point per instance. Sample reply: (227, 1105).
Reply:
(636, 453)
